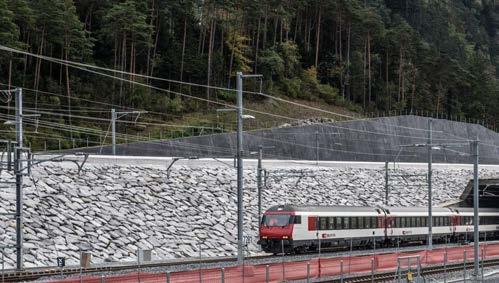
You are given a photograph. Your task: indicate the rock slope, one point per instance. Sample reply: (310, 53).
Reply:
(113, 210)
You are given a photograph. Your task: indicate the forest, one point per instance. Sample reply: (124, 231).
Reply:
(438, 56)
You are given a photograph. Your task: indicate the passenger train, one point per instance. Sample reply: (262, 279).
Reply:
(296, 229)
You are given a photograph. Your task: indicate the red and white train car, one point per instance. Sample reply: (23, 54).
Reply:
(292, 228)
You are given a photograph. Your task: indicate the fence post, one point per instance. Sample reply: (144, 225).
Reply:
(464, 268)
(168, 277)
(372, 270)
(102, 279)
(445, 266)
(267, 273)
(223, 275)
(308, 272)
(283, 269)
(341, 271)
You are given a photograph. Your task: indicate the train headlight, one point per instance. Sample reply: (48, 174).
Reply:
(284, 237)
(264, 237)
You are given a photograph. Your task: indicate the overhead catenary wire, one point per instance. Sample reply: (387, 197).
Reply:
(69, 63)
(109, 120)
(84, 66)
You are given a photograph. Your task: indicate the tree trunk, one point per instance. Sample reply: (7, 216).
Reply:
(148, 64)
(297, 24)
(68, 91)
(210, 51)
(233, 44)
(369, 63)
(414, 74)
(203, 39)
(280, 33)
(388, 94)
(348, 58)
(38, 67)
(257, 45)
(123, 66)
(264, 41)
(154, 52)
(364, 75)
(276, 20)
(401, 68)
(340, 43)
(132, 47)
(317, 37)
(183, 49)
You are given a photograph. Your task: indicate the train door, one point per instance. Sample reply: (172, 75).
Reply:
(389, 222)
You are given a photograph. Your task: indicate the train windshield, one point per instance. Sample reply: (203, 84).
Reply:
(276, 220)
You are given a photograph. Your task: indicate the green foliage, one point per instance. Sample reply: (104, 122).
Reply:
(9, 32)
(271, 65)
(435, 56)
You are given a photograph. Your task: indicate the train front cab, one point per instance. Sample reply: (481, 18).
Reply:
(276, 231)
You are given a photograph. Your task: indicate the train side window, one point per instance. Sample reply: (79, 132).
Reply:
(331, 225)
(353, 223)
(322, 223)
(346, 223)
(338, 223)
(423, 222)
(360, 222)
(402, 222)
(374, 222)
(397, 222)
(297, 219)
(418, 221)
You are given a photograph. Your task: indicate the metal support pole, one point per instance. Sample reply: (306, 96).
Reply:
(240, 255)
(19, 180)
(386, 183)
(259, 182)
(9, 155)
(223, 275)
(267, 275)
(168, 280)
(113, 129)
(430, 214)
(317, 147)
(476, 220)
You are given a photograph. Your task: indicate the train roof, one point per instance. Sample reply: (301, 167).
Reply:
(313, 208)
(392, 210)
(481, 210)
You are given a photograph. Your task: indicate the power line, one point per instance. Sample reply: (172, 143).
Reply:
(77, 66)
(83, 66)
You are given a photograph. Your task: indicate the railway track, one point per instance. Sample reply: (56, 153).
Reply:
(425, 271)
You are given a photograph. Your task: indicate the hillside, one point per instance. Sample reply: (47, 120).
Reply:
(347, 56)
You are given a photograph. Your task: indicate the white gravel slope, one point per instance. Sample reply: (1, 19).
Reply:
(116, 209)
